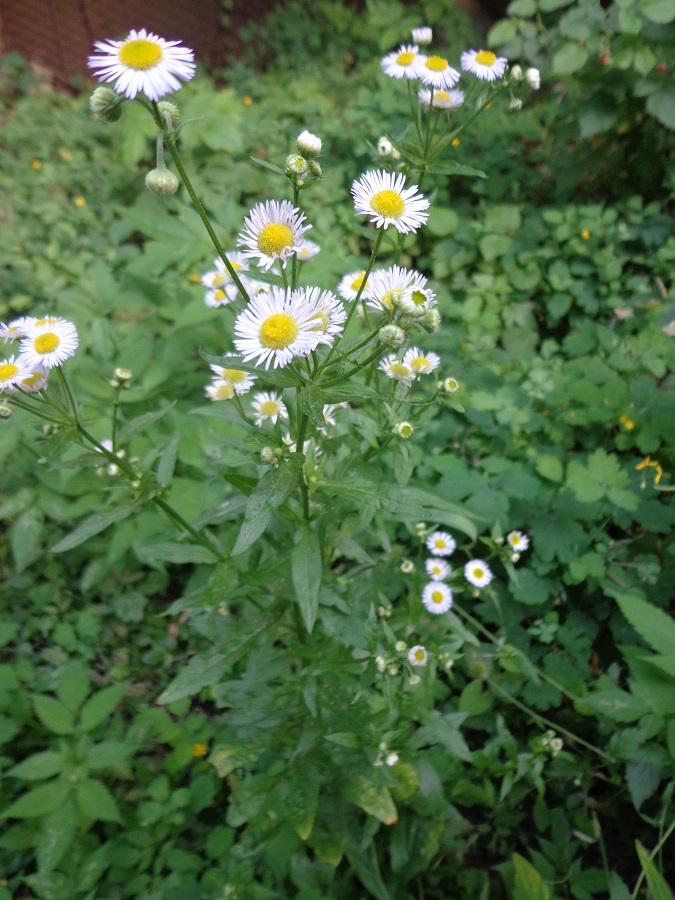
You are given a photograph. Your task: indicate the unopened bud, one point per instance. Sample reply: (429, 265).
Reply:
(296, 166)
(271, 455)
(105, 104)
(515, 104)
(6, 412)
(381, 664)
(386, 149)
(391, 336)
(533, 78)
(308, 144)
(170, 114)
(431, 321)
(123, 374)
(162, 181)
(391, 759)
(400, 646)
(516, 73)
(448, 386)
(392, 670)
(403, 430)
(314, 168)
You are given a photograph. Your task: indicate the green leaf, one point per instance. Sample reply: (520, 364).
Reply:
(660, 11)
(91, 526)
(311, 400)
(302, 801)
(52, 713)
(272, 490)
(39, 765)
(25, 535)
(570, 58)
(615, 704)
(551, 5)
(95, 800)
(643, 779)
(450, 167)
(57, 832)
(167, 462)
(522, 8)
(225, 758)
(267, 165)
(528, 883)
(654, 625)
(661, 105)
(655, 880)
(40, 801)
(140, 423)
(108, 753)
(502, 32)
(73, 686)
(171, 552)
(617, 889)
(373, 798)
(8, 631)
(306, 569)
(100, 705)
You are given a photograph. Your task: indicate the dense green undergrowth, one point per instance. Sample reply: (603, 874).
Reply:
(165, 733)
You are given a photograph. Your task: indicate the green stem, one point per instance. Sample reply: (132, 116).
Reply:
(171, 144)
(303, 421)
(357, 368)
(656, 850)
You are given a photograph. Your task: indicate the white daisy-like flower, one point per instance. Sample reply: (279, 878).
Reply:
(407, 566)
(351, 284)
(441, 99)
(437, 72)
(394, 286)
(402, 63)
(308, 144)
(307, 250)
(404, 430)
(49, 342)
(268, 405)
(276, 327)
(36, 381)
(384, 198)
(273, 231)
(241, 381)
(437, 569)
(477, 573)
(394, 368)
(484, 64)
(417, 655)
(143, 63)
(440, 543)
(518, 541)
(329, 410)
(220, 279)
(421, 363)
(330, 313)
(218, 297)
(437, 598)
(13, 371)
(422, 35)
(220, 390)
(448, 385)
(16, 329)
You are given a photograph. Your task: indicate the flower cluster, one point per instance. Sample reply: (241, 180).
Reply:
(44, 343)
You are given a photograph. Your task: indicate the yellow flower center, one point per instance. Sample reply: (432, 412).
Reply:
(421, 364)
(439, 544)
(219, 294)
(441, 97)
(324, 321)
(235, 265)
(225, 392)
(399, 369)
(46, 343)
(388, 204)
(33, 379)
(515, 540)
(269, 408)
(47, 320)
(437, 596)
(405, 58)
(419, 655)
(437, 63)
(7, 370)
(274, 238)
(358, 281)
(278, 331)
(478, 572)
(234, 376)
(486, 58)
(418, 298)
(140, 54)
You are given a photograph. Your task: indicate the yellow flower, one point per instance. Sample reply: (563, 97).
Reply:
(194, 278)
(36, 164)
(585, 233)
(456, 142)
(200, 750)
(247, 100)
(627, 423)
(80, 201)
(648, 462)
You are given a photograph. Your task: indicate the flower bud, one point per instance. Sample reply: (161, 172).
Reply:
(308, 144)
(296, 166)
(392, 670)
(449, 386)
(515, 104)
(105, 104)
(123, 374)
(387, 150)
(516, 73)
(403, 430)
(391, 336)
(391, 759)
(162, 181)
(381, 663)
(6, 412)
(400, 646)
(314, 168)
(431, 321)
(533, 79)
(271, 455)
(422, 35)
(170, 114)
(412, 303)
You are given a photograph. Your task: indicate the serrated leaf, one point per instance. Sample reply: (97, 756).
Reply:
(108, 753)
(654, 625)
(95, 800)
(99, 706)
(73, 685)
(643, 779)
(617, 889)
(91, 526)
(54, 714)
(40, 801)
(306, 571)
(272, 490)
